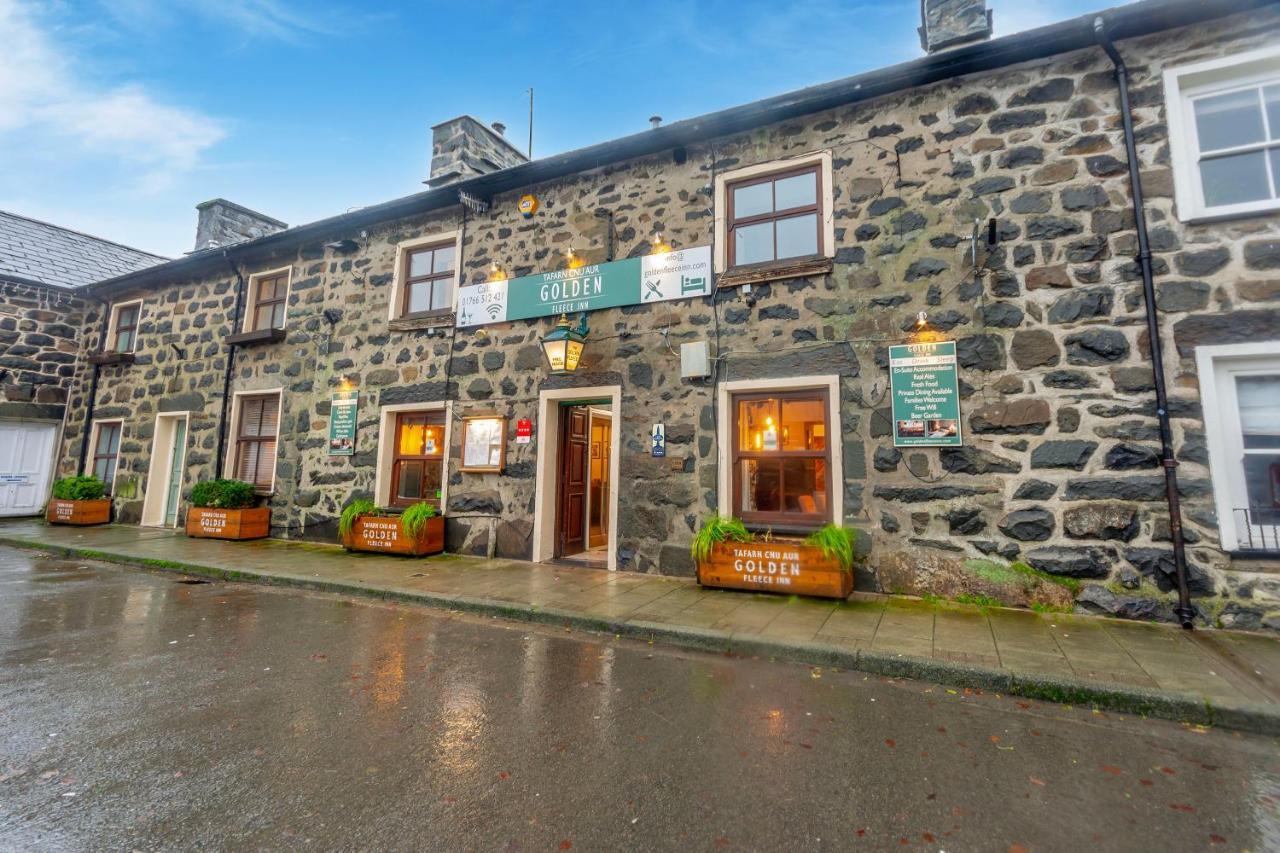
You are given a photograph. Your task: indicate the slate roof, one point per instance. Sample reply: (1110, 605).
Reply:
(35, 252)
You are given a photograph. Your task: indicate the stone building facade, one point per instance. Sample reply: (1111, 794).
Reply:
(1060, 464)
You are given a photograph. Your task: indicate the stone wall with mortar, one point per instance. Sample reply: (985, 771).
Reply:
(1059, 467)
(39, 344)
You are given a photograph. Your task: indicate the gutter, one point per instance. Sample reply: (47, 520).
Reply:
(223, 410)
(93, 390)
(1129, 21)
(1184, 611)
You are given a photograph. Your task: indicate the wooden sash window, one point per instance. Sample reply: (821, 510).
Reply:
(126, 328)
(106, 448)
(270, 302)
(256, 434)
(782, 458)
(428, 282)
(775, 217)
(417, 469)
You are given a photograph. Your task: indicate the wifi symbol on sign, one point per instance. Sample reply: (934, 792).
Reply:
(493, 309)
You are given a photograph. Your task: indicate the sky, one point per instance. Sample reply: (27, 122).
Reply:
(118, 117)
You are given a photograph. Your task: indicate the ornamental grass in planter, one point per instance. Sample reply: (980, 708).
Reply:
(227, 509)
(417, 531)
(728, 555)
(79, 501)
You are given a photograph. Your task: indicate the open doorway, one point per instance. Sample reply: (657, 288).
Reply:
(576, 504)
(160, 507)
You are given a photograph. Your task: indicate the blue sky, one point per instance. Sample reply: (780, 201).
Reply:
(118, 117)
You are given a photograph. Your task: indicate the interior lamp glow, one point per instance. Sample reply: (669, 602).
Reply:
(562, 346)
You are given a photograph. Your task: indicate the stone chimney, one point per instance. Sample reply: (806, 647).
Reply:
(953, 23)
(223, 223)
(463, 147)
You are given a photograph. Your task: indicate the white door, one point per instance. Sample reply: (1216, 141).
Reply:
(26, 465)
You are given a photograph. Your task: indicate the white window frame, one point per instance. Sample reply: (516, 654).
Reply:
(251, 298)
(725, 438)
(93, 451)
(1222, 426)
(113, 323)
(821, 158)
(402, 269)
(1182, 85)
(386, 448)
(233, 432)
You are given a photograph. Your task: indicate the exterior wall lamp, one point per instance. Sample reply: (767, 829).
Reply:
(563, 345)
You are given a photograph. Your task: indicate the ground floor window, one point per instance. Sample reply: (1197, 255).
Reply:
(1241, 389)
(781, 458)
(257, 430)
(417, 468)
(106, 451)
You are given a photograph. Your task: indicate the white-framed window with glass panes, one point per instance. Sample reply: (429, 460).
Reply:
(1224, 135)
(1240, 393)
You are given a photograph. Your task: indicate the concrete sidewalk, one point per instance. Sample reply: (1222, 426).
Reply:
(1226, 678)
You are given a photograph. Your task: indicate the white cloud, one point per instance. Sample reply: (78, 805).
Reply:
(47, 98)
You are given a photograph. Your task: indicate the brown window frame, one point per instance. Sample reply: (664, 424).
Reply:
(784, 520)
(242, 440)
(112, 459)
(132, 328)
(431, 278)
(274, 302)
(430, 417)
(733, 222)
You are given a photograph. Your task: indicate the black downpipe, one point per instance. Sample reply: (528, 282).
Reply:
(1184, 611)
(93, 390)
(224, 413)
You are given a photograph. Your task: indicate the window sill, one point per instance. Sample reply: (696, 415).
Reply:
(105, 358)
(426, 321)
(257, 336)
(796, 531)
(1202, 216)
(796, 268)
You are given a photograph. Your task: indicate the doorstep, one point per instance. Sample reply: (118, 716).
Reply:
(1226, 678)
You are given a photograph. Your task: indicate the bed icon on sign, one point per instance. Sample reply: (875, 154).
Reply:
(658, 441)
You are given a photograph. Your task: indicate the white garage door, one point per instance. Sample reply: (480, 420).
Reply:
(26, 464)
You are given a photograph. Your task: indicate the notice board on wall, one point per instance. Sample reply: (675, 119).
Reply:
(342, 422)
(925, 386)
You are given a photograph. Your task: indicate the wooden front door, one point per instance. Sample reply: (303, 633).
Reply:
(574, 454)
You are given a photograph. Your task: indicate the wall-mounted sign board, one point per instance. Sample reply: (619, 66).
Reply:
(342, 422)
(484, 443)
(925, 387)
(682, 274)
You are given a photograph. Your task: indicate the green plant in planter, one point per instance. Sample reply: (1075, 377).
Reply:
(718, 528)
(85, 488)
(223, 494)
(353, 510)
(415, 518)
(835, 541)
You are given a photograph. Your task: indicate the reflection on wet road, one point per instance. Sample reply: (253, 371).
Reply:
(140, 712)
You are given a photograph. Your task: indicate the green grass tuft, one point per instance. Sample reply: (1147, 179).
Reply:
(352, 511)
(718, 528)
(835, 541)
(980, 600)
(415, 518)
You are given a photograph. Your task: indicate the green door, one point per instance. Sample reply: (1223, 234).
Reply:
(173, 498)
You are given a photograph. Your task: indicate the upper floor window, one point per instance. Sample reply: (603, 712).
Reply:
(270, 301)
(122, 331)
(1224, 128)
(775, 217)
(428, 280)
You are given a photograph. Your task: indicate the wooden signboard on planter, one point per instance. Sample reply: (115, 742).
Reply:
(210, 523)
(78, 512)
(385, 535)
(791, 568)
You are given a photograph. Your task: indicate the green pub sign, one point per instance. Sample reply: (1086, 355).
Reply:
(926, 395)
(342, 422)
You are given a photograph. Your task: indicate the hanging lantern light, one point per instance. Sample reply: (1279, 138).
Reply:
(562, 346)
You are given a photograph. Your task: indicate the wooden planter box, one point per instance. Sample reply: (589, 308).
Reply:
(210, 523)
(78, 512)
(384, 535)
(790, 568)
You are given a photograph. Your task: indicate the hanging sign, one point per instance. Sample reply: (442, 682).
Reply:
(925, 387)
(524, 431)
(632, 281)
(658, 440)
(342, 422)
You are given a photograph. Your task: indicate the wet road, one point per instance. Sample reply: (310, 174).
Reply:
(139, 712)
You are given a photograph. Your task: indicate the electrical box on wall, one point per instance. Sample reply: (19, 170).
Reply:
(695, 360)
